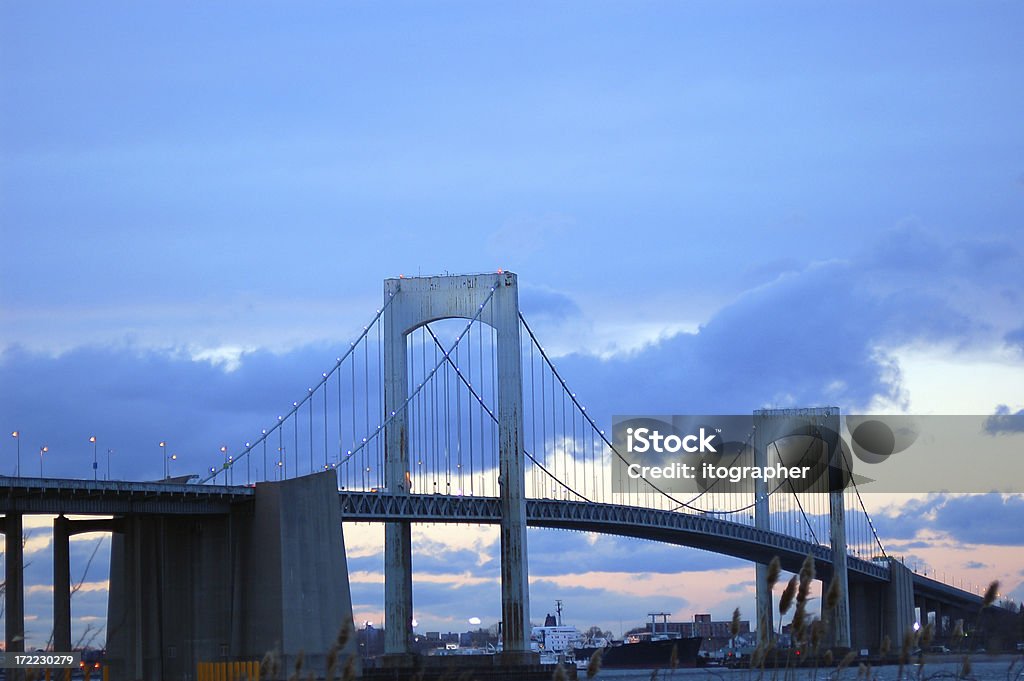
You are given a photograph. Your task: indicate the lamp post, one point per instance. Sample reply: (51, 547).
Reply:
(109, 452)
(42, 450)
(17, 439)
(173, 458)
(95, 465)
(224, 453)
(163, 455)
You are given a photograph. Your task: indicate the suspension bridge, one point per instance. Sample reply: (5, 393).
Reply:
(445, 409)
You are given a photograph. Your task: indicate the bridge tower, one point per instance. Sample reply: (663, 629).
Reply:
(414, 302)
(771, 425)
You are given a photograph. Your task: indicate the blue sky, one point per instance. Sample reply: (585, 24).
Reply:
(711, 207)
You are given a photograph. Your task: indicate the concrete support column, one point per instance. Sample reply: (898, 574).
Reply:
(295, 597)
(14, 591)
(765, 621)
(899, 602)
(867, 612)
(136, 567)
(839, 617)
(937, 609)
(515, 593)
(61, 584)
(397, 535)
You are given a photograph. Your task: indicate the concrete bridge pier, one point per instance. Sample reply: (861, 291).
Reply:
(867, 615)
(269, 577)
(923, 611)
(398, 612)
(940, 629)
(839, 616)
(880, 610)
(61, 583)
(762, 520)
(14, 591)
(63, 529)
(899, 615)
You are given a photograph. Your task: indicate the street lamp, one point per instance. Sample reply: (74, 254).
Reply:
(224, 453)
(42, 450)
(109, 452)
(174, 457)
(17, 440)
(95, 465)
(163, 455)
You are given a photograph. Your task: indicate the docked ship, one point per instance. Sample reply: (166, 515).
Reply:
(647, 650)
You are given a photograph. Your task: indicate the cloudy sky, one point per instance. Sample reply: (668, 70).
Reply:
(711, 208)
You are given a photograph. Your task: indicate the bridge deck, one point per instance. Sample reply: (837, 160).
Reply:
(117, 497)
(114, 497)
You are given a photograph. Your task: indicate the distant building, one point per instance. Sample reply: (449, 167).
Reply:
(370, 640)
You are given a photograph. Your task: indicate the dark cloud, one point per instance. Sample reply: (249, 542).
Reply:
(1005, 421)
(539, 303)
(972, 519)
(556, 552)
(367, 596)
(810, 336)
(561, 552)
(905, 522)
(434, 561)
(982, 519)
(132, 399)
(908, 546)
(474, 599)
(739, 588)
(455, 561)
(366, 563)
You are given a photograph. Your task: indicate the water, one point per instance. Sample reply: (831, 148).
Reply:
(982, 669)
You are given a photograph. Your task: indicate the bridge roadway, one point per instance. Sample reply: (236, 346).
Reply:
(88, 497)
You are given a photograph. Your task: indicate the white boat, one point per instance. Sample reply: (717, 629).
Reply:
(554, 641)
